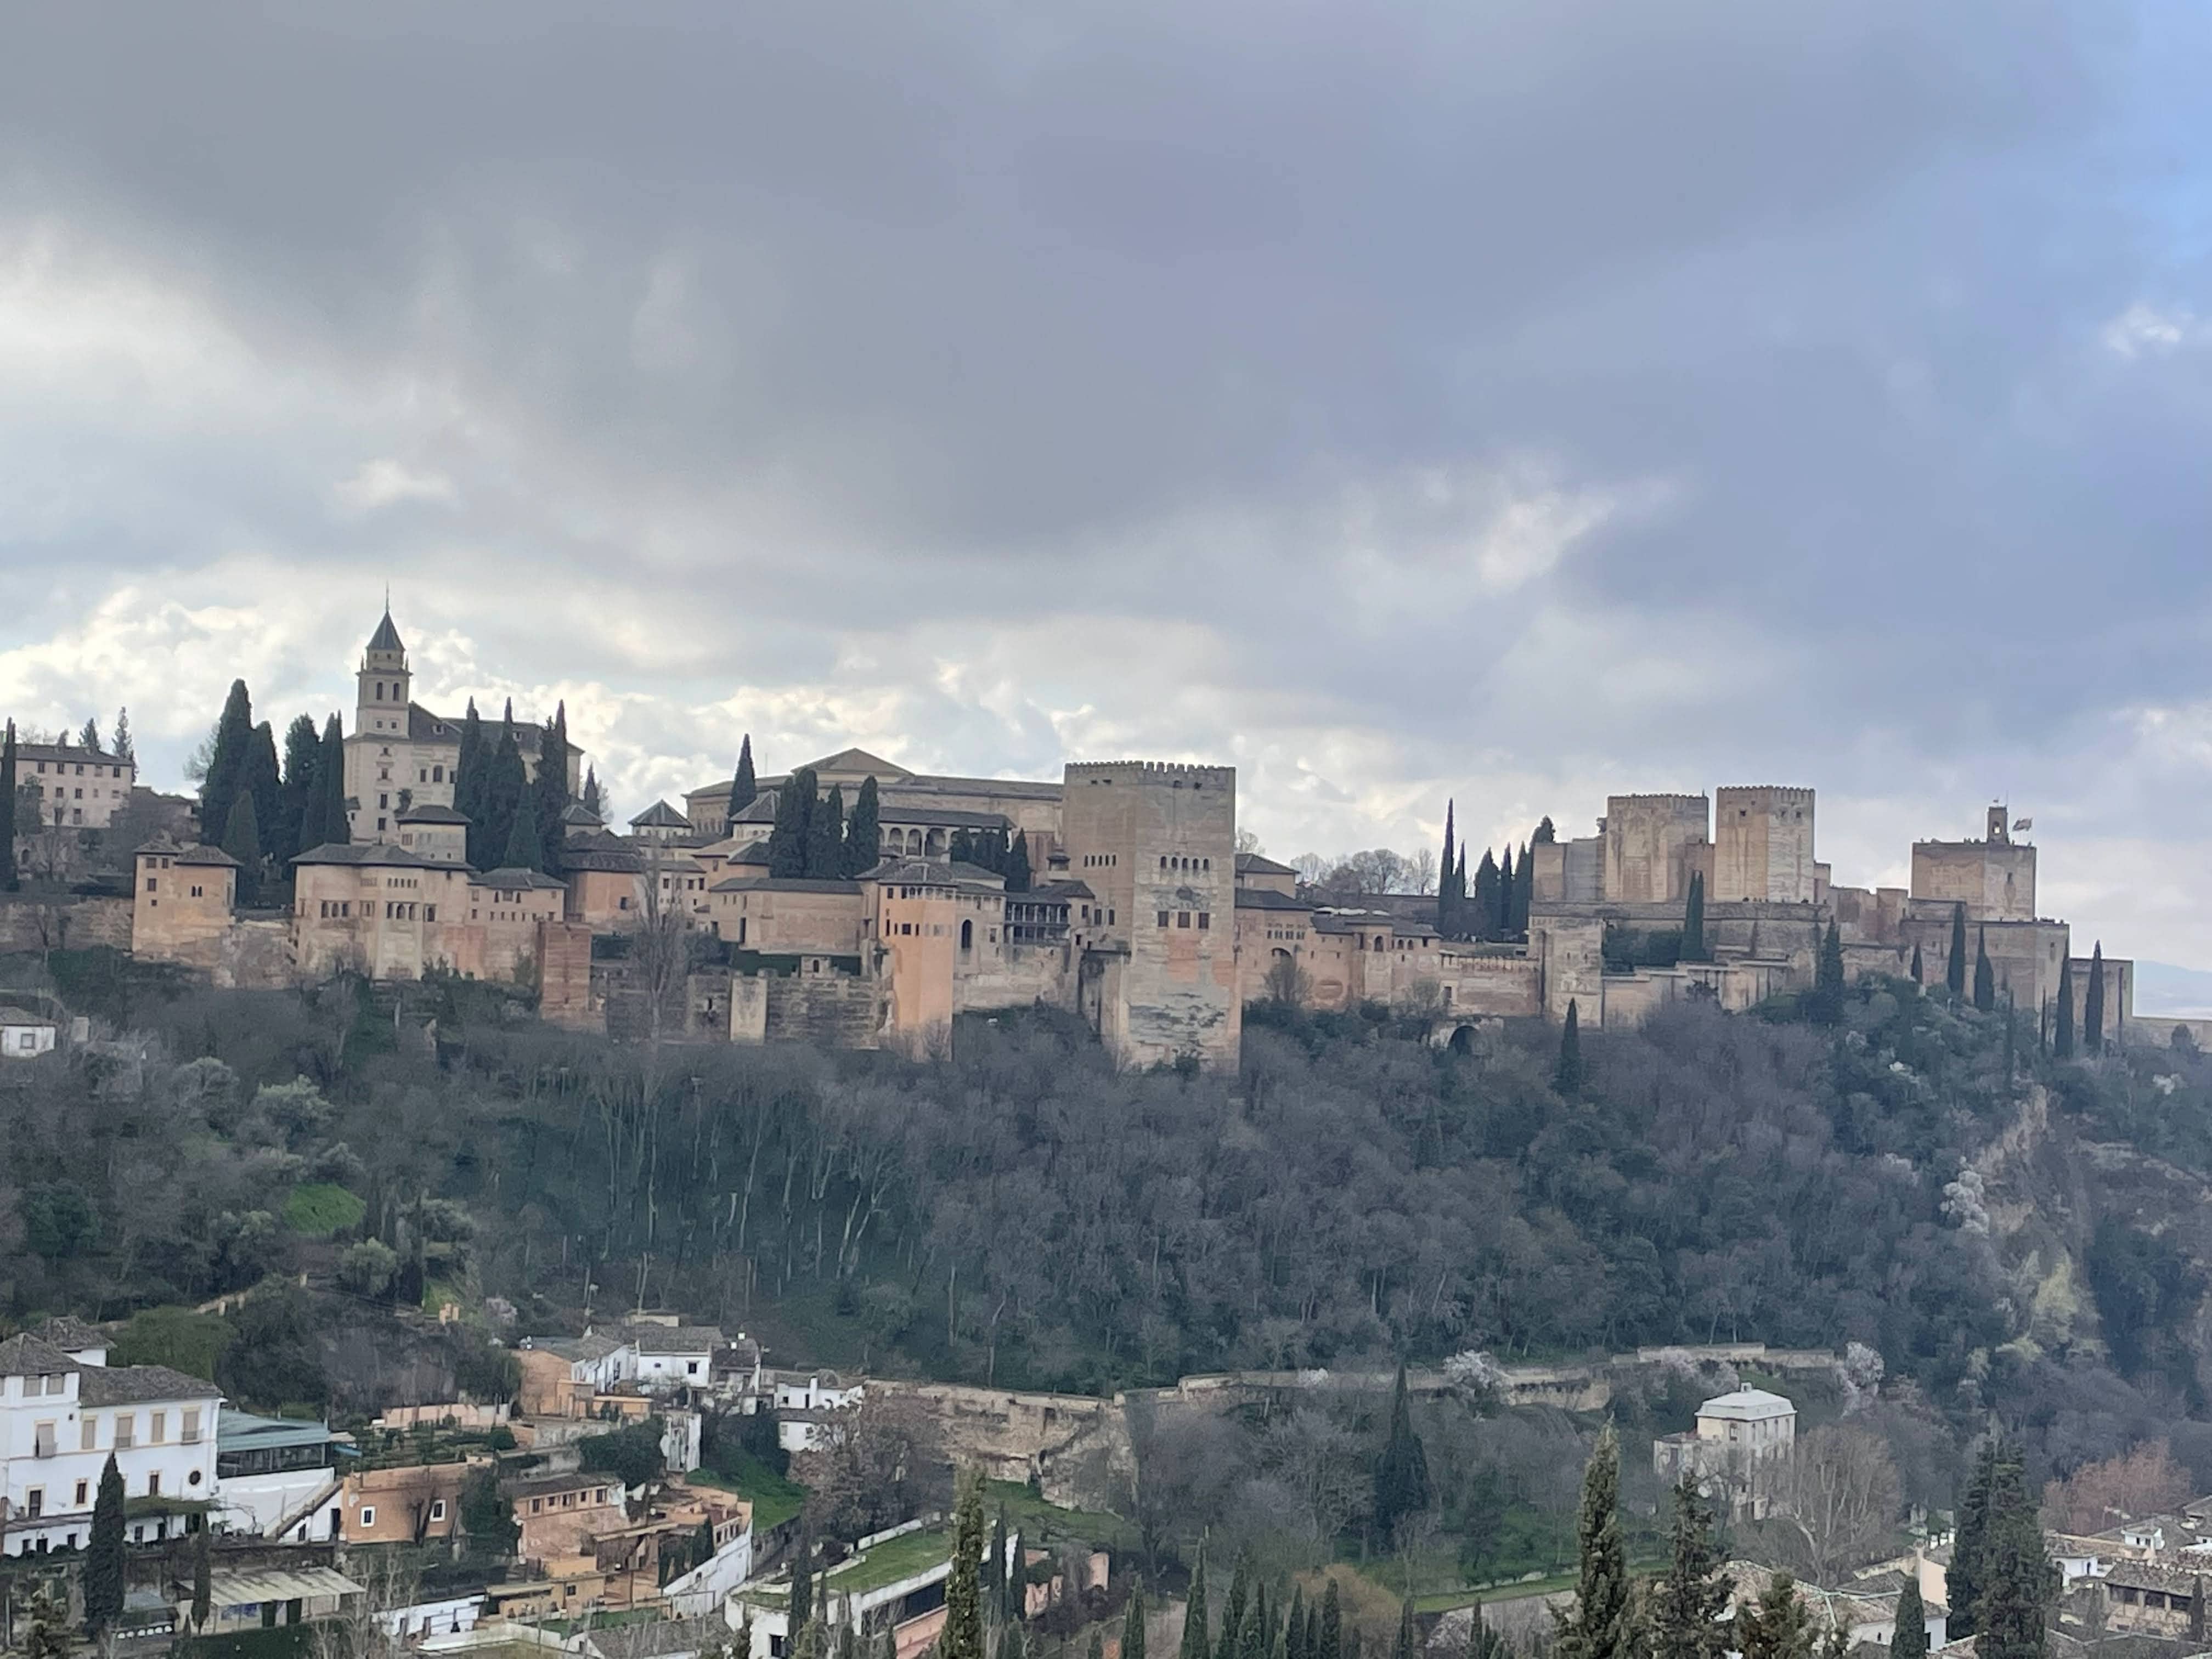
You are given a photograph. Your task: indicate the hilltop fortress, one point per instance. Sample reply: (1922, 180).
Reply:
(1140, 915)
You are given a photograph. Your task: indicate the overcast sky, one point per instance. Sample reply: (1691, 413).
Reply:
(1509, 400)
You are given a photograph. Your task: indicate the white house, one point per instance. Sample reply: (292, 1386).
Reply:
(62, 1414)
(275, 1478)
(672, 1356)
(1731, 1451)
(807, 1404)
(24, 1034)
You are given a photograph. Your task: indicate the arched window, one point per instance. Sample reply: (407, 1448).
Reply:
(967, 935)
(380, 690)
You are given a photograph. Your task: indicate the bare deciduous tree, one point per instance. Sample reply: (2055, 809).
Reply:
(1832, 1502)
(2140, 1482)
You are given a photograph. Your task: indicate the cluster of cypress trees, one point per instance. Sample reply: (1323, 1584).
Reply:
(515, 820)
(1251, 1629)
(811, 838)
(1401, 1472)
(264, 814)
(2000, 1582)
(1003, 852)
(1495, 905)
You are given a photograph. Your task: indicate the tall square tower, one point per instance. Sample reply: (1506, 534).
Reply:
(1156, 845)
(1763, 844)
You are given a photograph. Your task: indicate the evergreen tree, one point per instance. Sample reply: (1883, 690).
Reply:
(124, 749)
(470, 792)
(1525, 889)
(1252, 1637)
(2018, 1585)
(524, 851)
(962, 1635)
(1233, 1613)
(90, 738)
(1401, 1472)
(744, 788)
(1780, 1627)
(1920, 974)
(825, 837)
(1011, 1645)
(549, 790)
(2062, 1037)
(233, 737)
(48, 1636)
(1017, 865)
(1482, 1642)
(1483, 924)
(507, 788)
(2093, 1004)
(1826, 1004)
(302, 798)
(1294, 1627)
(1965, 1579)
(11, 879)
(1910, 1640)
(1693, 921)
(994, 1579)
(1331, 1645)
(1693, 1592)
(1986, 982)
(794, 813)
(1445, 919)
(1954, 971)
(594, 802)
(1194, 1616)
(1602, 1624)
(1567, 1074)
(1133, 1626)
(203, 1578)
(1463, 919)
(802, 1583)
(241, 839)
(103, 1560)
(864, 831)
(1405, 1647)
(265, 782)
(1098, 1643)
(1506, 885)
(337, 823)
(1312, 1649)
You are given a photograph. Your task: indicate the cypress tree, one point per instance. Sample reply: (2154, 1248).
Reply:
(1463, 923)
(525, 851)
(203, 1579)
(2062, 1037)
(241, 839)
(122, 750)
(1965, 1579)
(1017, 865)
(1444, 917)
(468, 788)
(1692, 1593)
(2018, 1585)
(825, 837)
(264, 783)
(1294, 1627)
(2093, 1004)
(802, 1583)
(745, 789)
(1985, 981)
(303, 766)
(1567, 1074)
(1910, 1638)
(864, 831)
(1097, 1642)
(1252, 1637)
(337, 822)
(1954, 971)
(1404, 1647)
(11, 880)
(233, 735)
(1133, 1626)
(994, 1579)
(549, 790)
(1525, 889)
(1918, 975)
(1828, 1001)
(1401, 1472)
(1506, 881)
(1233, 1613)
(794, 811)
(1780, 1627)
(1331, 1645)
(1483, 924)
(1693, 921)
(1602, 1623)
(507, 786)
(103, 1560)
(1194, 1615)
(962, 1637)
(90, 738)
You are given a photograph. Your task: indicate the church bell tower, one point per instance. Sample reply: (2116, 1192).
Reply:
(380, 706)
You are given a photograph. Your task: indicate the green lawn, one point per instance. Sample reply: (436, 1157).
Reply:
(888, 1562)
(1041, 1523)
(317, 1209)
(775, 1498)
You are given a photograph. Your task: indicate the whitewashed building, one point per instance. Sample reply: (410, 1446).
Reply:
(26, 1035)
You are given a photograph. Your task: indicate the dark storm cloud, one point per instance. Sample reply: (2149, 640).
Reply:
(1658, 393)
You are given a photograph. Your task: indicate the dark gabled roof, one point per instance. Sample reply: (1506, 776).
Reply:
(386, 637)
(1254, 864)
(122, 1385)
(1329, 921)
(72, 1335)
(674, 1338)
(753, 852)
(192, 853)
(858, 759)
(27, 1356)
(615, 861)
(369, 852)
(426, 726)
(660, 815)
(11, 1015)
(784, 884)
(423, 726)
(430, 812)
(942, 817)
(931, 873)
(1064, 890)
(1267, 898)
(66, 752)
(516, 880)
(576, 812)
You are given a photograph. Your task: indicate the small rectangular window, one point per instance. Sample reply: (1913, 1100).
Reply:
(1163, 918)
(1182, 919)
(1205, 920)
(369, 1515)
